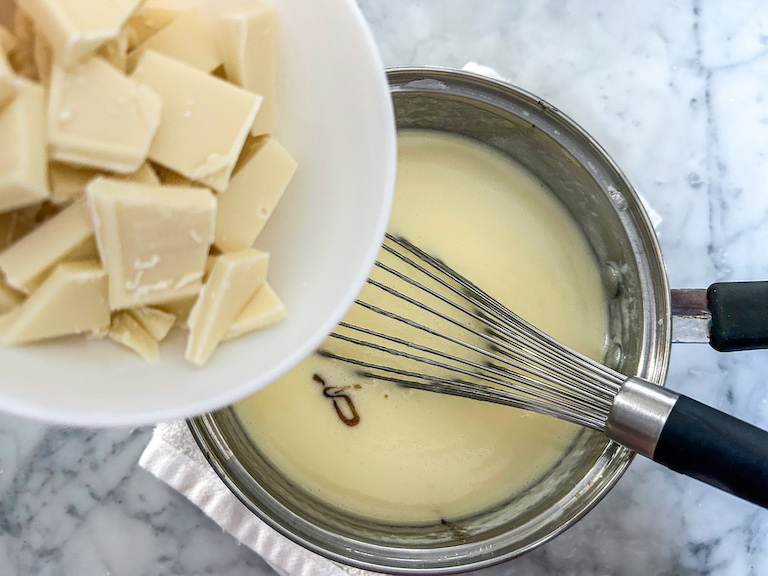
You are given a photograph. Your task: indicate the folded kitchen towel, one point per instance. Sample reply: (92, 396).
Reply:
(173, 456)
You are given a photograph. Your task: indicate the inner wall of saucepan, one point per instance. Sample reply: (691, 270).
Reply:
(589, 464)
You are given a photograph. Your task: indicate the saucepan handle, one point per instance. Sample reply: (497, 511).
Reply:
(739, 315)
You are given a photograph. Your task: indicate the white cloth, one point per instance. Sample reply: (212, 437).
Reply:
(173, 456)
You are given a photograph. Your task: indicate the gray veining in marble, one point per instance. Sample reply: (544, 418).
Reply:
(678, 95)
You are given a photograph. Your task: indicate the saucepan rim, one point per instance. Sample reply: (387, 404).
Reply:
(654, 361)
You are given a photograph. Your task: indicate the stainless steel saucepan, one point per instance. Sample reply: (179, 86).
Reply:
(641, 306)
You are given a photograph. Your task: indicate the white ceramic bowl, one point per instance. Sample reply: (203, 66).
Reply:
(335, 117)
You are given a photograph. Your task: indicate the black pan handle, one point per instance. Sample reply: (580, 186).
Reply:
(716, 448)
(739, 315)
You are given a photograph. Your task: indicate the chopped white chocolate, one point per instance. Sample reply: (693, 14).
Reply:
(116, 51)
(85, 251)
(44, 211)
(7, 40)
(153, 240)
(171, 178)
(23, 162)
(72, 300)
(7, 85)
(180, 309)
(68, 182)
(235, 278)
(14, 225)
(9, 298)
(43, 54)
(7, 223)
(189, 39)
(204, 123)
(248, 47)
(22, 56)
(108, 222)
(264, 309)
(76, 29)
(210, 262)
(157, 322)
(100, 118)
(34, 256)
(146, 23)
(144, 175)
(129, 332)
(255, 189)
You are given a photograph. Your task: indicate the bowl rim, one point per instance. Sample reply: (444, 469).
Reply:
(205, 432)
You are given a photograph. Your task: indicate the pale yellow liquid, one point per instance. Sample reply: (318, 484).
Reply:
(417, 456)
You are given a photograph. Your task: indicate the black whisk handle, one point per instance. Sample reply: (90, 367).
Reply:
(691, 438)
(716, 448)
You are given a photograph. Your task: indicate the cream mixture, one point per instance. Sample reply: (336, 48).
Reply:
(407, 456)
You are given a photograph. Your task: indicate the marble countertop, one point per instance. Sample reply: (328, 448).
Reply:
(678, 95)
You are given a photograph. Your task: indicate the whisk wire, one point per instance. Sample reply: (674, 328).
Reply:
(498, 375)
(520, 365)
(473, 391)
(522, 332)
(502, 313)
(525, 369)
(526, 359)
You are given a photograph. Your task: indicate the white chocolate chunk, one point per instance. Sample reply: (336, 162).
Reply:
(171, 178)
(129, 332)
(144, 175)
(41, 212)
(154, 321)
(204, 123)
(153, 240)
(22, 56)
(146, 23)
(76, 28)
(100, 118)
(85, 251)
(233, 281)
(23, 163)
(7, 40)
(189, 39)
(180, 309)
(72, 300)
(257, 186)
(14, 225)
(68, 182)
(264, 309)
(7, 224)
(7, 85)
(57, 239)
(9, 298)
(248, 47)
(43, 54)
(116, 51)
